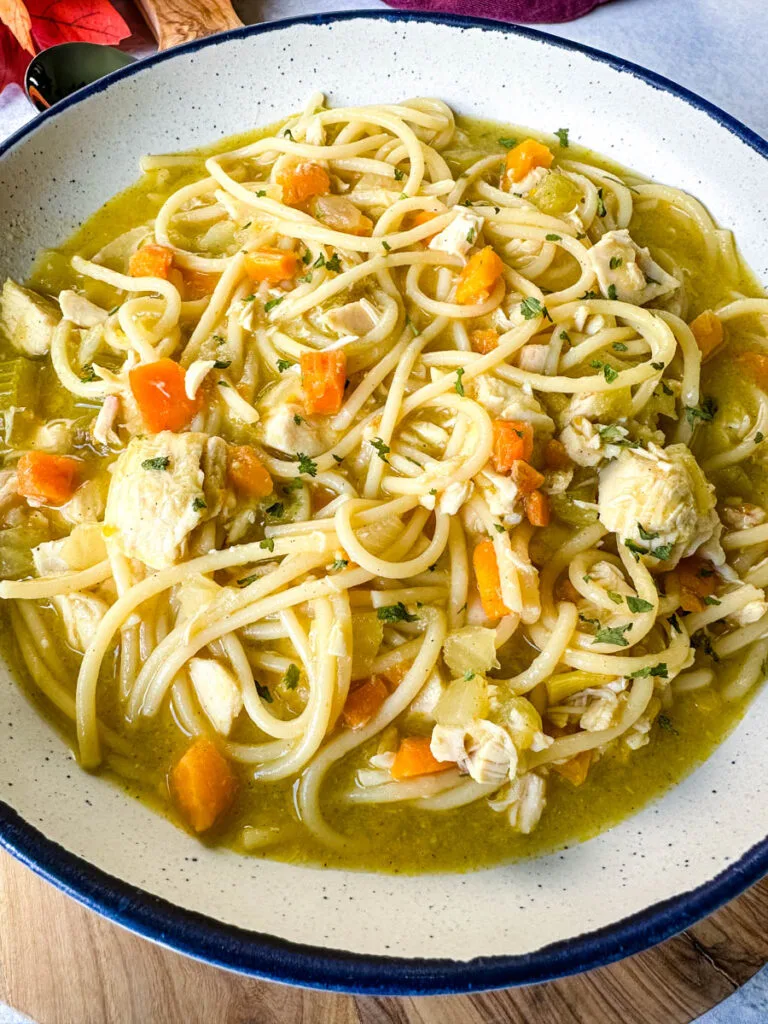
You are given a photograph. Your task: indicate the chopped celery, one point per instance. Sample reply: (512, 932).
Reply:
(18, 378)
(566, 509)
(16, 545)
(555, 194)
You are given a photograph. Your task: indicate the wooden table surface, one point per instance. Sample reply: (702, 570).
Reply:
(63, 964)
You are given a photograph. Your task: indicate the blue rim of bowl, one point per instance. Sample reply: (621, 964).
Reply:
(266, 956)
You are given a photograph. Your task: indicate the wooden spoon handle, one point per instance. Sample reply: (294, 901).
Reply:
(177, 21)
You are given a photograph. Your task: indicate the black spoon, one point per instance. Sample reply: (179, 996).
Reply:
(61, 70)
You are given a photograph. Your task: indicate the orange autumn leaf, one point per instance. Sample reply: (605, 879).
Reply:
(14, 14)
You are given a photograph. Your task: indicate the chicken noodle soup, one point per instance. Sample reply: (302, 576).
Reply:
(387, 489)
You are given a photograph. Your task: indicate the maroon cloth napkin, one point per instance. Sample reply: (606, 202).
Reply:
(504, 10)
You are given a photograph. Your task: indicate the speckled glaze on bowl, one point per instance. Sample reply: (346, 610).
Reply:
(631, 887)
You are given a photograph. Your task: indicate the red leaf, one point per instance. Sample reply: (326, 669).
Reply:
(15, 15)
(66, 21)
(13, 60)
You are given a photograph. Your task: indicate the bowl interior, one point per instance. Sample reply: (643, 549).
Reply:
(82, 155)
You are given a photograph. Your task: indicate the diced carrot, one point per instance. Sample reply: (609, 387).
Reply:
(397, 673)
(756, 365)
(414, 757)
(707, 329)
(556, 456)
(272, 265)
(523, 158)
(478, 278)
(340, 214)
(247, 473)
(159, 392)
(512, 440)
(484, 341)
(203, 784)
(302, 181)
(526, 477)
(488, 581)
(536, 507)
(697, 580)
(323, 376)
(419, 217)
(575, 769)
(364, 701)
(198, 283)
(49, 479)
(151, 261)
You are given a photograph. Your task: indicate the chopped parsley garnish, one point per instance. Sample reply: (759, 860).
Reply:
(565, 336)
(297, 419)
(508, 143)
(306, 465)
(222, 364)
(399, 174)
(662, 552)
(759, 437)
(284, 364)
(562, 134)
(160, 462)
(382, 448)
(307, 257)
(287, 134)
(665, 722)
(554, 238)
(499, 528)
(616, 261)
(272, 303)
(672, 620)
(468, 675)
(319, 262)
(704, 411)
(306, 278)
(395, 613)
(268, 544)
(246, 581)
(260, 194)
(334, 263)
(263, 692)
(291, 677)
(459, 387)
(637, 604)
(339, 564)
(616, 598)
(198, 504)
(292, 485)
(613, 434)
(666, 388)
(414, 330)
(114, 309)
(658, 366)
(646, 534)
(635, 549)
(249, 298)
(589, 294)
(608, 371)
(338, 458)
(386, 245)
(531, 308)
(612, 291)
(702, 641)
(223, 383)
(613, 635)
(711, 600)
(276, 511)
(601, 210)
(619, 346)
(659, 670)
(471, 236)
(88, 374)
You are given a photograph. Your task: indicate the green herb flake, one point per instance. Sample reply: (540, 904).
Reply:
(381, 447)
(619, 346)
(198, 504)
(272, 303)
(263, 692)
(471, 236)
(337, 458)
(222, 364)
(284, 364)
(276, 511)
(616, 598)
(659, 670)
(613, 635)
(339, 564)
(297, 419)
(507, 143)
(395, 613)
(458, 386)
(161, 462)
(333, 264)
(260, 194)
(601, 210)
(637, 604)
(646, 534)
(306, 278)
(291, 678)
(704, 411)
(554, 238)
(386, 245)
(468, 675)
(399, 174)
(665, 722)
(666, 388)
(672, 620)
(658, 366)
(759, 437)
(615, 262)
(612, 292)
(531, 308)
(712, 601)
(565, 336)
(246, 581)
(562, 134)
(88, 375)
(306, 465)
(589, 294)
(499, 528)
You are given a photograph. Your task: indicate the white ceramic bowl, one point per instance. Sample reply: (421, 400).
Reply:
(633, 886)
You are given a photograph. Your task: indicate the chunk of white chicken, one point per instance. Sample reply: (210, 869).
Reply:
(627, 272)
(83, 548)
(81, 614)
(458, 237)
(582, 442)
(285, 426)
(501, 494)
(533, 358)
(524, 800)
(480, 748)
(218, 692)
(27, 319)
(162, 488)
(529, 182)
(660, 505)
(81, 311)
(88, 503)
(505, 401)
(601, 712)
(743, 515)
(355, 318)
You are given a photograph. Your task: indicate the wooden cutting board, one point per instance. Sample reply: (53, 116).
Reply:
(62, 964)
(177, 21)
